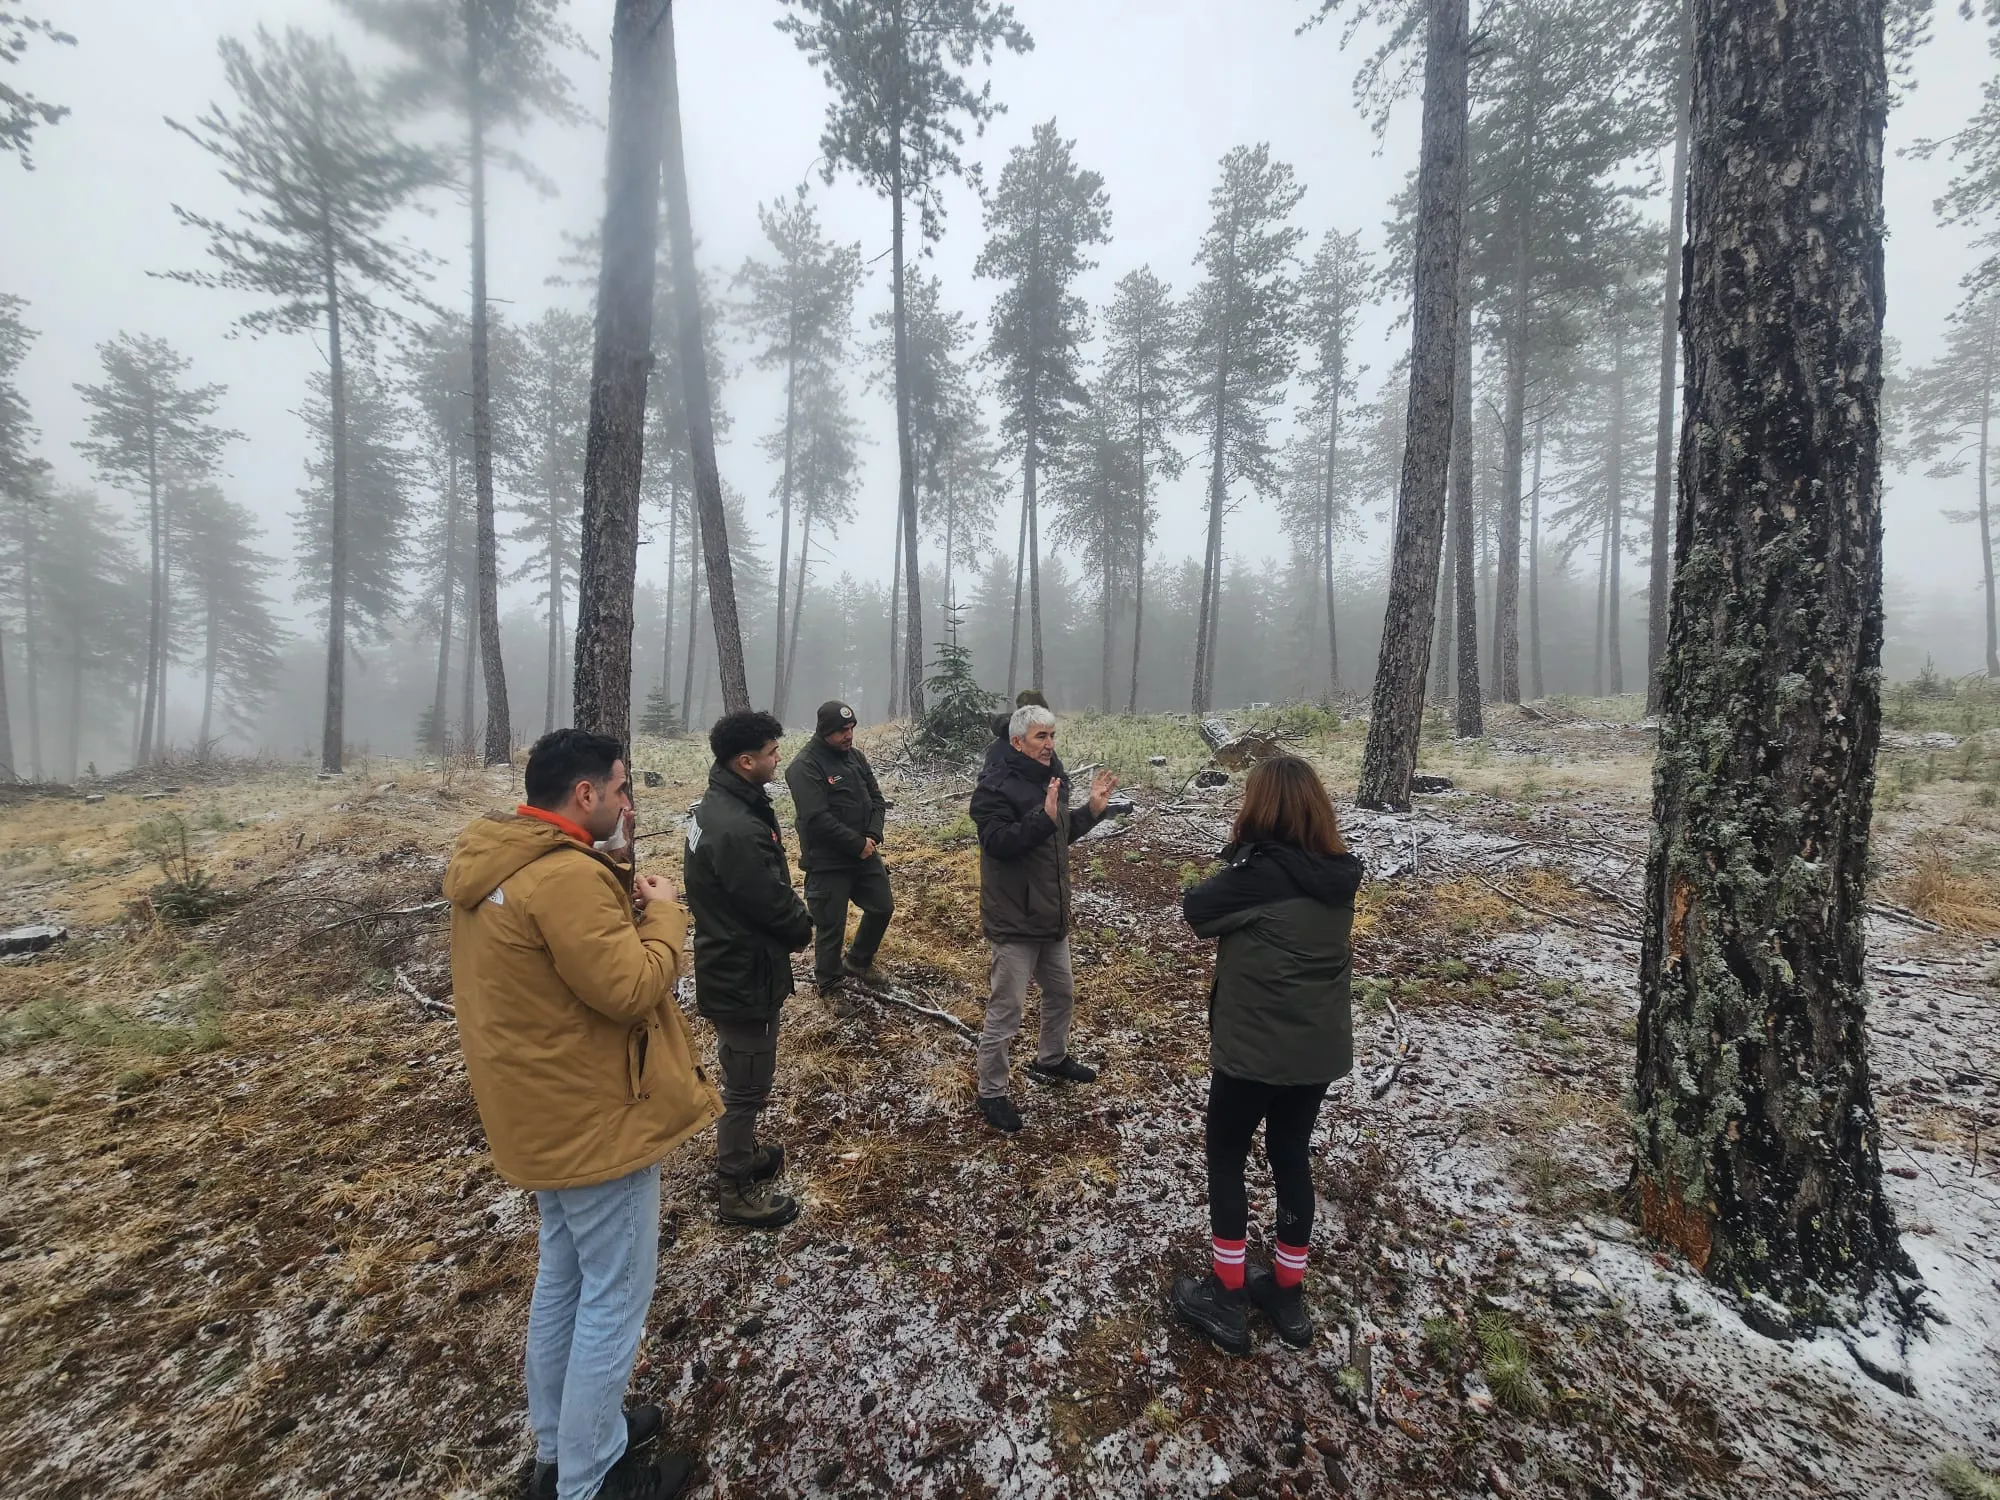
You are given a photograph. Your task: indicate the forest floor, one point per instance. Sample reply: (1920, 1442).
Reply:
(251, 1243)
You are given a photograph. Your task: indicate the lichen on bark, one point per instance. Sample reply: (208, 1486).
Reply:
(1755, 1141)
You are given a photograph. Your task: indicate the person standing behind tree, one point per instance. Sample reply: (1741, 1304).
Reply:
(1280, 1032)
(585, 1079)
(1025, 822)
(839, 811)
(748, 921)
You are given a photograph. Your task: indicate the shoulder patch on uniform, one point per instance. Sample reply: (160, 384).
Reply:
(496, 897)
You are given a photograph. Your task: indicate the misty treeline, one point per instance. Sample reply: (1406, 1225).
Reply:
(428, 596)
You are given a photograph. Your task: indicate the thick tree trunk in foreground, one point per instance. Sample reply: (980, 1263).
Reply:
(1756, 1140)
(621, 356)
(1471, 711)
(701, 427)
(1397, 711)
(1660, 580)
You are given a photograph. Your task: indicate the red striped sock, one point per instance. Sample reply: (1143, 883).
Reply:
(1229, 1263)
(1289, 1269)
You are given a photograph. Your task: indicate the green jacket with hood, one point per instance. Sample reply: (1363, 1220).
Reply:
(748, 921)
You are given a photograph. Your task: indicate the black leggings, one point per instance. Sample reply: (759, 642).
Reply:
(1287, 1112)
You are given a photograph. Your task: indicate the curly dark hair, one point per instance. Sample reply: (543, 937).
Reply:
(740, 734)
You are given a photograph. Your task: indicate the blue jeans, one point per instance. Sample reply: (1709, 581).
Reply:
(600, 1251)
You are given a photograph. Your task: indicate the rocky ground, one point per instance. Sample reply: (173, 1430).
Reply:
(250, 1243)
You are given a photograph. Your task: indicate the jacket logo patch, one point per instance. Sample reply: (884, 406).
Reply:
(497, 897)
(694, 833)
(833, 781)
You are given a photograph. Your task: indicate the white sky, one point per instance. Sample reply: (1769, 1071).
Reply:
(1154, 91)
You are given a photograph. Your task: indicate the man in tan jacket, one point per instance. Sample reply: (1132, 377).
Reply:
(563, 969)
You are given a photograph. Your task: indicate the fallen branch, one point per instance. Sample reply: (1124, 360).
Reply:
(1903, 915)
(424, 1002)
(1385, 1080)
(1529, 906)
(376, 916)
(883, 997)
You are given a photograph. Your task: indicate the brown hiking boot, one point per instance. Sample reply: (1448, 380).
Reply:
(754, 1205)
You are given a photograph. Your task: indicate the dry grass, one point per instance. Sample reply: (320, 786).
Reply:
(1942, 891)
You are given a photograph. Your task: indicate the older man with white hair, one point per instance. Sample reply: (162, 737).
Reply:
(1025, 822)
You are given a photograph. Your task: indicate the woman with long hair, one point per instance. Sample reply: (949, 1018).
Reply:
(1280, 1032)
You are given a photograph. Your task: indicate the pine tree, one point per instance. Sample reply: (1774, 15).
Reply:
(1041, 223)
(21, 113)
(433, 385)
(1949, 399)
(826, 484)
(97, 607)
(1332, 293)
(1562, 111)
(21, 471)
(546, 426)
(1100, 512)
(222, 575)
(621, 359)
(897, 121)
(798, 310)
(1757, 1148)
(491, 63)
(708, 489)
(1241, 322)
(379, 476)
(149, 429)
(1141, 393)
(1396, 711)
(24, 602)
(309, 146)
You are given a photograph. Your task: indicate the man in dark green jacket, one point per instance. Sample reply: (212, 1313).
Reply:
(748, 921)
(839, 811)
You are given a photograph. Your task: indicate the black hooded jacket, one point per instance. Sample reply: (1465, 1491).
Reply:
(1023, 853)
(1280, 1010)
(748, 921)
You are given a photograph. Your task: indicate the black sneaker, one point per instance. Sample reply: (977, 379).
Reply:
(1285, 1306)
(1211, 1309)
(1000, 1113)
(1065, 1069)
(655, 1479)
(642, 1426)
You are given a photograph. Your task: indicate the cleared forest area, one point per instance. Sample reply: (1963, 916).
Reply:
(251, 1243)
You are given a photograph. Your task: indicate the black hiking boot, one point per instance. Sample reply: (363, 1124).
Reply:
(1285, 1306)
(1064, 1069)
(650, 1479)
(1000, 1113)
(1211, 1309)
(753, 1204)
(864, 974)
(642, 1426)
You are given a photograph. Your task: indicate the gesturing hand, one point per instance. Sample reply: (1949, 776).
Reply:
(647, 889)
(1052, 803)
(1102, 785)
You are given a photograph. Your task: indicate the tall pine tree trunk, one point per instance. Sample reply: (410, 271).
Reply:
(1757, 1144)
(1597, 629)
(1507, 526)
(1397, 709)
(1326, 528)
(1037, 663)
(468, 719)
(210, 667)
(1204, 644)
(906, 453)
(895, 598)
(1444, 676)
(673, 556)
(799, 592)
(1020, 582)
(694, 618)
(1470, 710)
(1660, 577)
(73, 731)
(443, 689)
(155, 624)
(555, 612)
(1985, 524)
(160, 741)
(1535, 568)
(1444, 614)
(778, 675)
(332, 734)
(701, 427)
(621, 357)
(7, 771)
(499, 745)
(1615, 522)
(1138, 601)
(31, 671)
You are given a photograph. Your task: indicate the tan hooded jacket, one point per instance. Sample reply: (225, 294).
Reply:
(579, 1059)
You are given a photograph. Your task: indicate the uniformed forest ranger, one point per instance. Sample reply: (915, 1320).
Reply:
(839, 811)
(748, 921)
